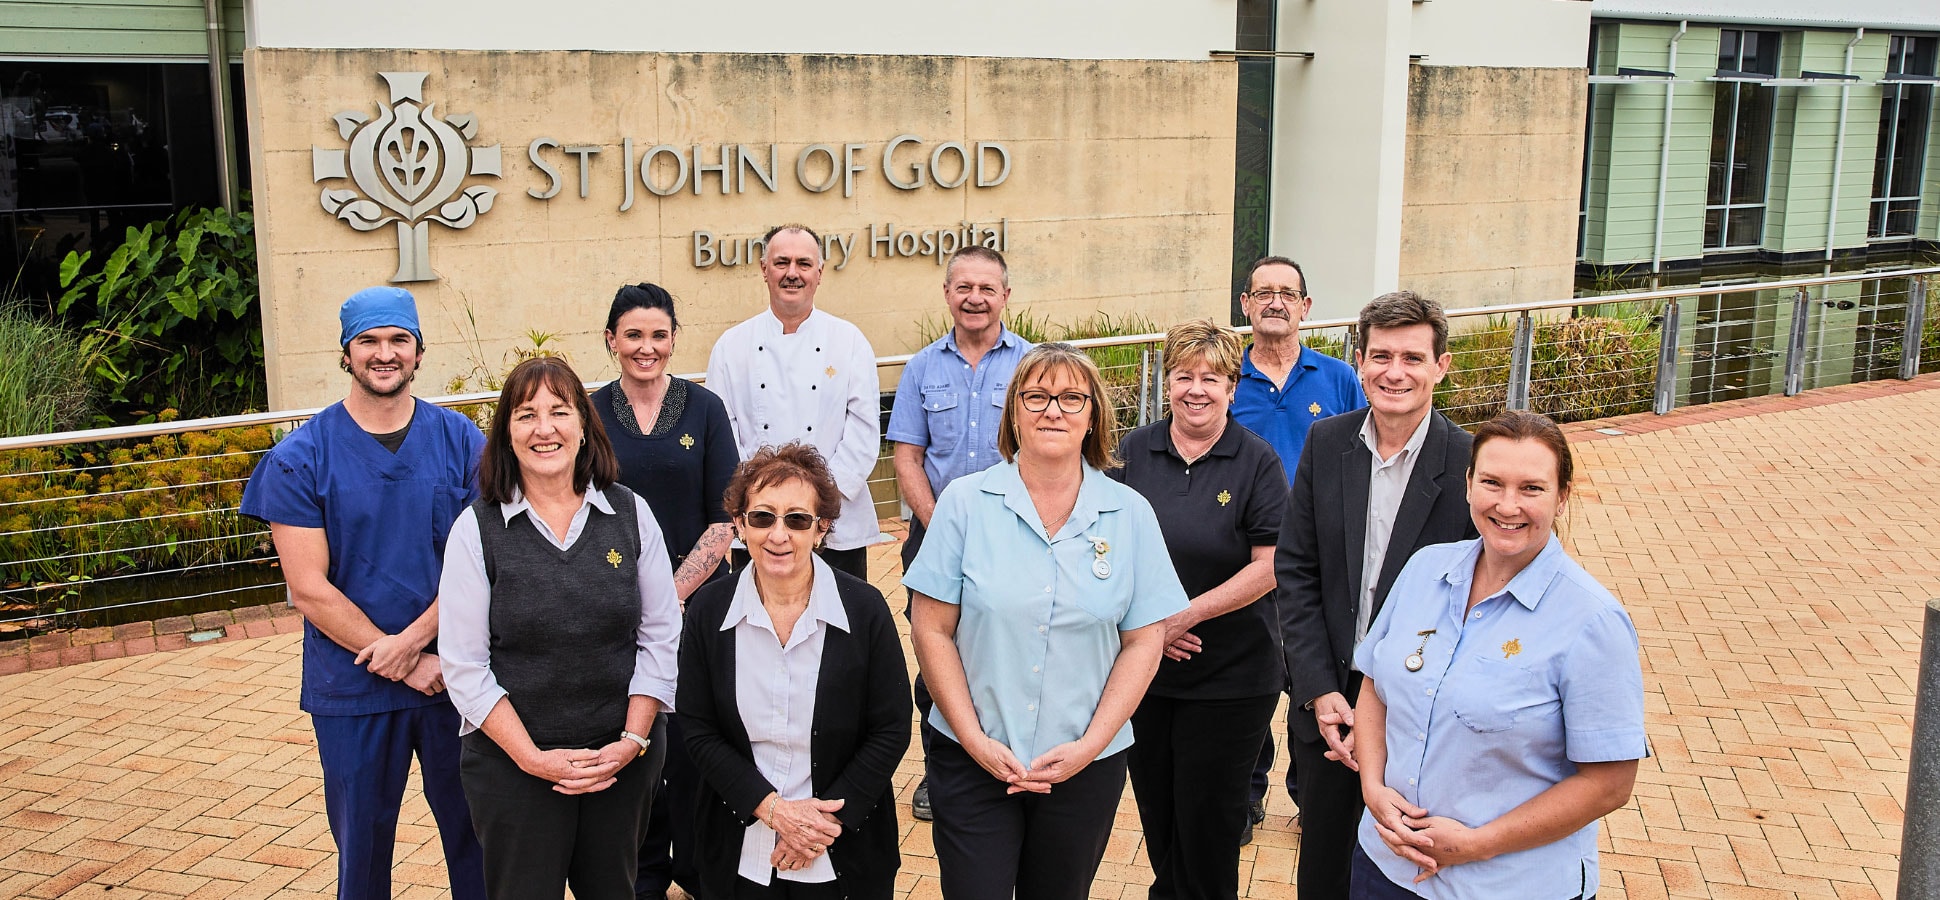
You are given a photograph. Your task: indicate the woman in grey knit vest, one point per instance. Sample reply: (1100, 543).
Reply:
(558, 633)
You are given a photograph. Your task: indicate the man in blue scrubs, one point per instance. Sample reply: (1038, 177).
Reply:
(948, 403)
(1283, 389)
(359, 501)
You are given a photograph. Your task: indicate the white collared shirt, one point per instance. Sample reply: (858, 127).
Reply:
(817, 386)
(774, 689)
(1387, 483)
(465, 609)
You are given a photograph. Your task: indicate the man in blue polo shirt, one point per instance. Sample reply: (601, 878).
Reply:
(1283, 389)
(948, 403)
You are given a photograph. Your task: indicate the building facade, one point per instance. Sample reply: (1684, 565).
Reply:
(1780, 131)
(107, 121)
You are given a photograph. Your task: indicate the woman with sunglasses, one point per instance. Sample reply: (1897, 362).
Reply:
(1040, 593)
(795, 699)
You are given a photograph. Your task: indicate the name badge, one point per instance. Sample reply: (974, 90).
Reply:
(1100, 566)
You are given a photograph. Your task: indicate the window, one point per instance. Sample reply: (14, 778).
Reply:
(89, 149)
(1253, 165)
(1741, 140)
(1899, 162)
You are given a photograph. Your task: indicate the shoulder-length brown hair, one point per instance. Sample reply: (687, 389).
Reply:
(498, 470)
(1041, 361)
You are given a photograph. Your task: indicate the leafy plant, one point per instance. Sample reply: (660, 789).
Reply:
(71, 514)
(1582, 367)
(169, 319)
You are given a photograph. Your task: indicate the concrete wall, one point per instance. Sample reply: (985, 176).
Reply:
(1380, 165)
(1119, 198)
(1066, 29)
(1493, 177)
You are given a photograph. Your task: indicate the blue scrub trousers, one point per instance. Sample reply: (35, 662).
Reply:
(365, 761)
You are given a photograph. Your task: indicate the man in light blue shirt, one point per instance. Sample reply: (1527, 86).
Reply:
(1487, 709)
(948, 403)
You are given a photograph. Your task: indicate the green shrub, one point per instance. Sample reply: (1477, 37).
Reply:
(170, 318)
(43, 375)
(90, 511)
(1580, 368)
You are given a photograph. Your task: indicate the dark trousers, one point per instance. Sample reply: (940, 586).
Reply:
(1370, 883)
(1330, 816)
(1263, 773)
(855, 562)
(779, 889)
(918, 691)
(991, 845)
(667, 841)
(1190, 770)
(365, 760)
(538, 840)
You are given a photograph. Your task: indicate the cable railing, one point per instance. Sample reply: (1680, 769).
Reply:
(121, 524)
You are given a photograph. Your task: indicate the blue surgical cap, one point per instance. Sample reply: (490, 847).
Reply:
(379, 307)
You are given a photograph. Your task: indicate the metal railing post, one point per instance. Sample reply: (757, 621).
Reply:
(1520, 350)
(1144, 385)
(1664, 398)
(1916, 325)
(1920, 835)
(1795, 347)
(1158, 382)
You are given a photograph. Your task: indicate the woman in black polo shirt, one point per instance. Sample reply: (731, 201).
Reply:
(1219, 491)
(675, 450)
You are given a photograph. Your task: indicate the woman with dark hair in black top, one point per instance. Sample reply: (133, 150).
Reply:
(676, 451)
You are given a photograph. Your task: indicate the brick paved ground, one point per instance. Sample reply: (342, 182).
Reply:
(1775, 555)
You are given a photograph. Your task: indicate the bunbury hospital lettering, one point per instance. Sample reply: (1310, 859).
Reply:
(410, 165)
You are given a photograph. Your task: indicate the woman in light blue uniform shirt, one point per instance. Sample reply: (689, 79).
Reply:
(1503, 710)
(1039, 593)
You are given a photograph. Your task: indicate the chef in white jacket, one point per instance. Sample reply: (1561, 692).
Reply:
(795, 373)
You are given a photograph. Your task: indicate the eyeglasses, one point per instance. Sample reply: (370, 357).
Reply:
(796, 521)
(1071, 402)
(1268, 296)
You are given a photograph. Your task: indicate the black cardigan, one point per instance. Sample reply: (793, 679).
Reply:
(861, 729)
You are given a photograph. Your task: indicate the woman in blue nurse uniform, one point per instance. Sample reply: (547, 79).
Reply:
(1503, 710)
(1039, 596)
(359, 501)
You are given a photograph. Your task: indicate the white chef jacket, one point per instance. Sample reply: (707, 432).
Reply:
(817, 386)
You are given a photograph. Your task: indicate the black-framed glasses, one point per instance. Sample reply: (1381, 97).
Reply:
(796, 521)
(1270, 295)
(1071, 402)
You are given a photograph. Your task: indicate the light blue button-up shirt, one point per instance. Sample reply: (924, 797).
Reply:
(1038, 629)
(951, 409)
(1511, 697)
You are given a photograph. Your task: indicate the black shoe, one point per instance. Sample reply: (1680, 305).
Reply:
(1256, 812)
(919, 805)
(1246, 836)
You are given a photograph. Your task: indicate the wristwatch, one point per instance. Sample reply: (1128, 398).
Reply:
(643, 742)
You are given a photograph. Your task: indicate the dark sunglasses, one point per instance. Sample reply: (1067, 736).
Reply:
(796, 521)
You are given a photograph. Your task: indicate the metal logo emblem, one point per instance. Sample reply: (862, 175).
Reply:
(411, 166)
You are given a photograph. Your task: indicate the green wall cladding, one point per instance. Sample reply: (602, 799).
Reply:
(1627, 125)
(149, 29)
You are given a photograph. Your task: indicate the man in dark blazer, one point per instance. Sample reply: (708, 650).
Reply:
(1372, 487)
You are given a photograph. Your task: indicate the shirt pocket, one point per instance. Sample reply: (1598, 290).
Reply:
(1107, 599)
(945, 421)
(1497, 695)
